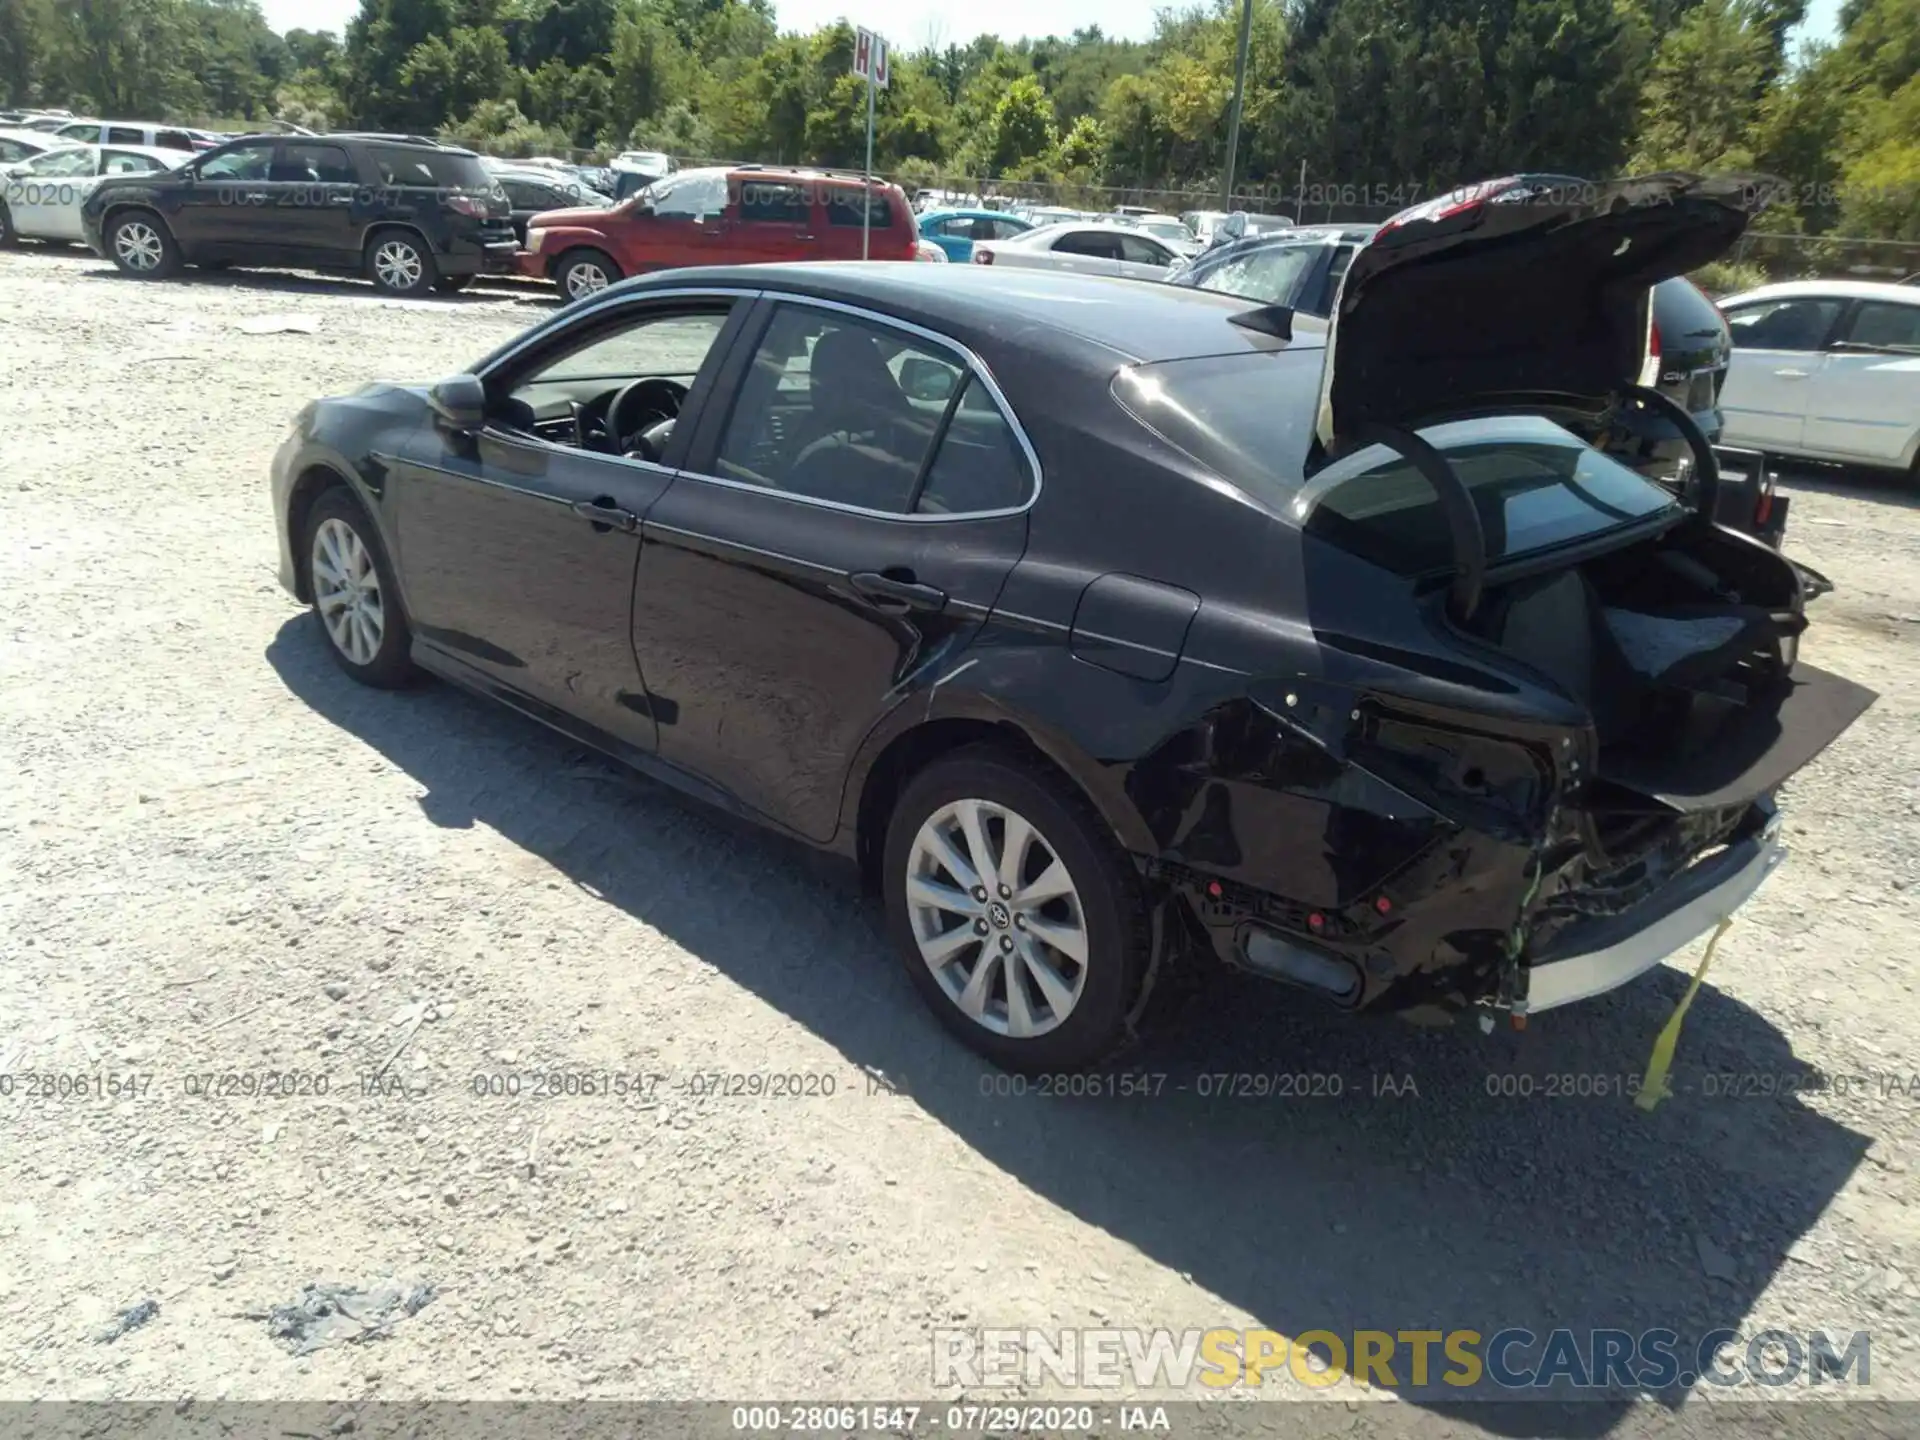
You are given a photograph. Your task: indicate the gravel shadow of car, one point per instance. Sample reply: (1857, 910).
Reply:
(1429, 1180)
(1854, 482)
(485, 290)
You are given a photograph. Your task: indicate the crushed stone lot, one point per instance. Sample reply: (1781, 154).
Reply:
(343, 962)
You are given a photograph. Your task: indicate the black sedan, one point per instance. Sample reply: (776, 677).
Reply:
(1114, 628)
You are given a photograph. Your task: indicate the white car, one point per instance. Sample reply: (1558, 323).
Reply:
(1089, 248)
(18, 145)
(136, 133)
(42, 197)
(1826, 370)
(1170, 228)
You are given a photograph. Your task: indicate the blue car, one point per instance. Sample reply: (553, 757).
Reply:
(954, 231)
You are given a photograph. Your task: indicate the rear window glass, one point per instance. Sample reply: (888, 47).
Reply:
(431, 168)
(1534, 484)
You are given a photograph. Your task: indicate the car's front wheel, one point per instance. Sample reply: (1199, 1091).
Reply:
(400, 263)
(355, 599)
(142, 246)
(584, 273)
(1016, 912)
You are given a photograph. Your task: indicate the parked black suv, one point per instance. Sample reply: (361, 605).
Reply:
(410, 214)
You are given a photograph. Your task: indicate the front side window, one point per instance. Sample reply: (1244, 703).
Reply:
(242, 162)
(851, 411)
(1271, 275)
(689, 197)
(63, 164)
(1798, 324)
(1886, 326)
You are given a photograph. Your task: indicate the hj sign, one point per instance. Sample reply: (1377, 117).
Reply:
(870, 57)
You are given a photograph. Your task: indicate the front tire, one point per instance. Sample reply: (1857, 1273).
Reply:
(356, 603)
(1016, 913)
(585, 273)
(142, 246)
(400, 263)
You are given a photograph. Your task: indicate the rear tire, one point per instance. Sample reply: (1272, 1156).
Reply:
(583, 273)
(1063, 917)
(9, 237)
(142, 246)
(356, 603)
(400, 263)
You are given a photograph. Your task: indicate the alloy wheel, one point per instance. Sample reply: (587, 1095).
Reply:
(585, 278)
(997, 918)
(397, 265)
(138, 245)
(346, 588)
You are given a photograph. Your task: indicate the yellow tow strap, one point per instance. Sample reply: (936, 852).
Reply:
(1654, 1088)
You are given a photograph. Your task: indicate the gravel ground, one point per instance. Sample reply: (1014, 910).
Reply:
(220, 858)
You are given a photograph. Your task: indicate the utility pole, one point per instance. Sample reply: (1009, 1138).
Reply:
(1239, 95)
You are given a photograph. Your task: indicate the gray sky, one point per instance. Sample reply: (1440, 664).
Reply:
(910, 24)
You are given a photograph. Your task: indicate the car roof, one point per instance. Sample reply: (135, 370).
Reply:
(967, 213)
(1139, 320)
(1838, 289)
(152, 152)
(38, 137)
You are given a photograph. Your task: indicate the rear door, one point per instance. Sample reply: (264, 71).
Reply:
(310, 209)
(769, 220)
(851, 507)
(1777, 348)
(1864, 399)
(51, 189)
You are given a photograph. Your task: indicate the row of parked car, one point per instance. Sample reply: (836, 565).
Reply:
(1827, 370)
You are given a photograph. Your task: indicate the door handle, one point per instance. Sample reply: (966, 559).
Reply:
(803, 237)
(256, 197)
(604, 515)
(1791, 374)
(897, 591)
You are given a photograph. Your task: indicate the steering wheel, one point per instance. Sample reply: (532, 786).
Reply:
(641, 417)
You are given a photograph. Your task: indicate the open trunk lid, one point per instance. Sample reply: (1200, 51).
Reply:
(1530, 289)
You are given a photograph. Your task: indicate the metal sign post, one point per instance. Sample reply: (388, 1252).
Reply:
(869, 60)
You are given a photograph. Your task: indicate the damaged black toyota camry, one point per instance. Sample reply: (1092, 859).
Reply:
(1112, 626)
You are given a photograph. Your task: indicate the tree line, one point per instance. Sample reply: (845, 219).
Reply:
(1385, 101)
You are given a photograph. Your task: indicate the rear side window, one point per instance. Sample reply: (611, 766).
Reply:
(843, 208)
(1890, 326)
(173, 140)
(1271, 275)
(430, 169)
(1139, 250)
(314, 165)
(769, 204)
(12, 151)
(125, 135)
(1094, 243)
(850, 411)
(1798, 324)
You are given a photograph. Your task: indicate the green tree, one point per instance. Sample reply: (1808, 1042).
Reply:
(1700, 103)
(1022, 128)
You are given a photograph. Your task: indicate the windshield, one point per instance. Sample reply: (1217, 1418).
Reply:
(1171, 230)
(1534, 484)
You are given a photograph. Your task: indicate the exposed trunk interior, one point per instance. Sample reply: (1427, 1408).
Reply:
(1683, 649)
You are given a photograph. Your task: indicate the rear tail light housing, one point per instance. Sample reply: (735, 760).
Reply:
(472, 206)
(1650, 372)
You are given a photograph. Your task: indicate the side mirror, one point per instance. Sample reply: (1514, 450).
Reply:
(924, 379)
(460, 402)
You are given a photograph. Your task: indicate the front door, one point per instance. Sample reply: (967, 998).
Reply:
(1864, 401)
(684, 223)
(1776, 350)
(844, 524)
(518, 544)
(220, 213)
